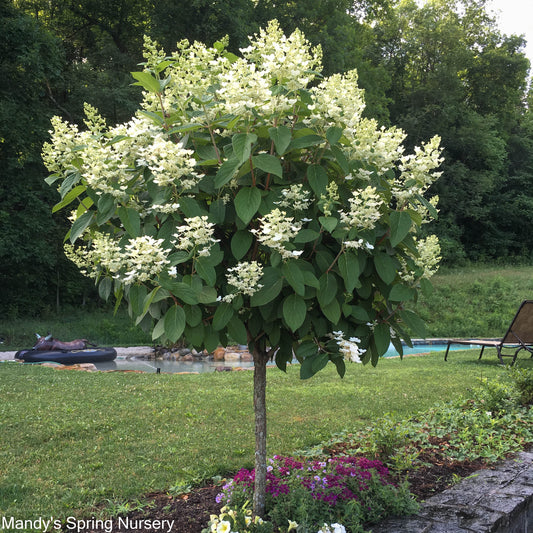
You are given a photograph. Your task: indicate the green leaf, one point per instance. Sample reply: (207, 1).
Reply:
(328, 289)
(195, 334)
(349, 267)
(334, 134)
(104, 288)
(328, 223)
(341, 159)
(106, 208)
(227, 170)
(237, 331)
(415, 324)
(206, 270)
(306, 235)
(281, 137)
(80, 225)
(318, 179)
(432, 211)
(247, 203)
(147, 81)
(386, 267)
(332, 311)
(382, 338)
(130, 220)
(242, 145)
(222, 316)
(69, 197)
(211, 339)
(294, 311)
(401, 293)
(174, 323)
(294, 277)
(207, 295)
(272, 283)
(400, 222)
(268, 163)
(136, 296)
(305, 142)
(184, 292)
(240, 243)
(159, 329)
(313, 364)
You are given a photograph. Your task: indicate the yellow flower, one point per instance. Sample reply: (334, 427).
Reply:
(292, 525)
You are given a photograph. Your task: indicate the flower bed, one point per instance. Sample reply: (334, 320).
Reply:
(314, 495)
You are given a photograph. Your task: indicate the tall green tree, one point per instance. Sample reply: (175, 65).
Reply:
(32, 264)
(246, 203)
(454, 73)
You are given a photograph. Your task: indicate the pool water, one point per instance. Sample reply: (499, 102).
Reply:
(174, 367)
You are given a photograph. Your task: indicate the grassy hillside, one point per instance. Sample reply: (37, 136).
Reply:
(475, 301)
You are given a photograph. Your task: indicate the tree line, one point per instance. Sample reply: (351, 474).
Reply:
(443, 68)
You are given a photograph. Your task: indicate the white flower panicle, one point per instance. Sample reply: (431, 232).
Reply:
(277, 230)
(169, 163)
(332, 528)
(364, 212)
(429, 255)
(348, 348)
(244, 278)
(145, 258)
(295, 198)
(142, 259)
(197, 234)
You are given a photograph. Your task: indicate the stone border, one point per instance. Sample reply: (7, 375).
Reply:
(498, 499)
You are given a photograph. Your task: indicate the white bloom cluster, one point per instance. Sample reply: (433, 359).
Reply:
(332, 528)
(348, 348)
(245, 278)
(169, 163)
(276, 230)
(60, 153)
(364, 212)
(429, 255)
(140, 260)
(197, 234)
(338, 100)
(144, 259)
(288, 60)
(418, 171)
(360, 243)
(295, 198)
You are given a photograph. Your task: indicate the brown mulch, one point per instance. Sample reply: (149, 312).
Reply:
(191, 512)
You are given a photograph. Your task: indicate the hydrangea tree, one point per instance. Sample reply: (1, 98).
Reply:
(249, 201)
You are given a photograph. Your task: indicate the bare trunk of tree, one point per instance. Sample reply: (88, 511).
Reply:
(260, 362)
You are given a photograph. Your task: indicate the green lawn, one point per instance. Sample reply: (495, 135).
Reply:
(72, 440)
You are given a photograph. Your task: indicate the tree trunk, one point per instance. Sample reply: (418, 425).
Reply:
(260, 363)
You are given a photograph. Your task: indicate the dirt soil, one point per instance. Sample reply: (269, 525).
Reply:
(191, 512)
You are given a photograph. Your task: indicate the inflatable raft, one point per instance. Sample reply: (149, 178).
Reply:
(67, 357)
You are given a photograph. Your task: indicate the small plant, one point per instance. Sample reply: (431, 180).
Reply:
(522, 379)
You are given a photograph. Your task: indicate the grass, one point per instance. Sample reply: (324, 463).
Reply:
(72, 441)
(478, 301)
(99, 326)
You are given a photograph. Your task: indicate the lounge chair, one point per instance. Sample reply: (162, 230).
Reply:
(519, 336)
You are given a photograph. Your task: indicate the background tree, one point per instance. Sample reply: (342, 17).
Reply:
(244, 204)
(33, 269)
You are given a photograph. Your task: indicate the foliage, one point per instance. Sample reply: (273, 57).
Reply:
(489, 423)
(347, 490)
(523, 381)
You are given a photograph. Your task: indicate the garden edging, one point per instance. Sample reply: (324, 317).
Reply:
(494, 500)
